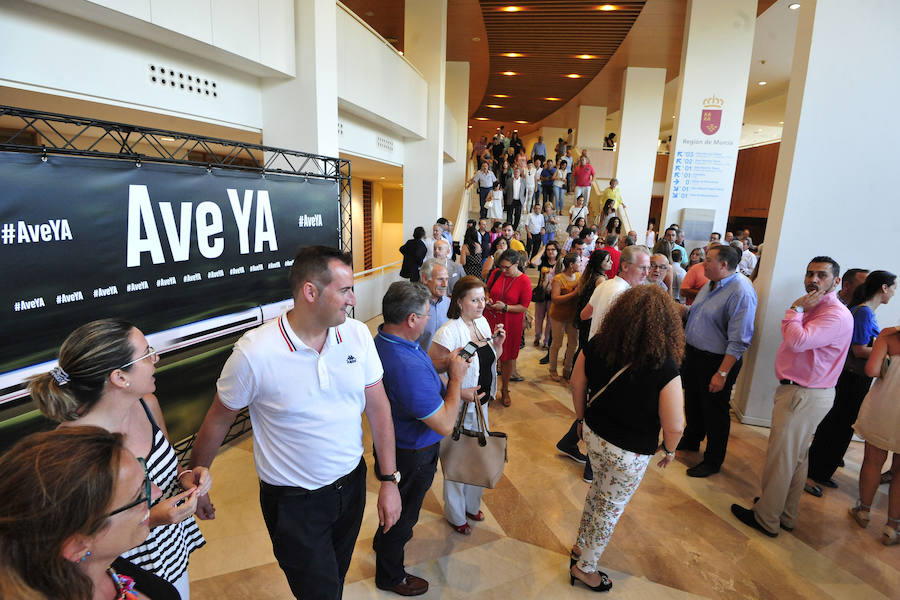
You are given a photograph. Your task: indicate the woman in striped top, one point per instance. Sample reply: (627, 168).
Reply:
(105, 378)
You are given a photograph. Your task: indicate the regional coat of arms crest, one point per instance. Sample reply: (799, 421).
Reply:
(711, 115)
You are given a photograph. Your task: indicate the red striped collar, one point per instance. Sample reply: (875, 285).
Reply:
(284, 326)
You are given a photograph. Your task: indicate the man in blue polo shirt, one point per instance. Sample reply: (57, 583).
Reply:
(423, 410)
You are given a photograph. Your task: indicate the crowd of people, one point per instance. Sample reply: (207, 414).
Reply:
(654, 342)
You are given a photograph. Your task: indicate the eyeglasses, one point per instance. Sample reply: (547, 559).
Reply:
(151, 353)
(659, 267)
(424, 316)
(505, 268)
(147, 492)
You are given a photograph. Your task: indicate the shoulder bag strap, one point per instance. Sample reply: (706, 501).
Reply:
(459, 419)
(603, 389)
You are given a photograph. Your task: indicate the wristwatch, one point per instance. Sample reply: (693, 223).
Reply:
(395, 477)
(723, 374)
(798, 309)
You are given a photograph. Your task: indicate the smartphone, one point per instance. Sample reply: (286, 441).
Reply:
(469, 350)
(497, 334)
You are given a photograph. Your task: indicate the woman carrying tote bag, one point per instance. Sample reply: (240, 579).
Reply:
(466, 324)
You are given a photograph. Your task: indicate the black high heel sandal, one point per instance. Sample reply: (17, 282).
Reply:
(604, 586)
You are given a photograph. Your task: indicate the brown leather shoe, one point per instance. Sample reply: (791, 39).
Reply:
(410, 586)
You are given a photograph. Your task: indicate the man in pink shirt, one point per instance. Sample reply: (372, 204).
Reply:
(816, 333)
(584, 177)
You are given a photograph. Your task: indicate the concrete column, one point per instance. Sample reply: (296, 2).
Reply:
(457, 102)
(301, 113)
(715, 65)
(642, 99)
(425, 46)
(591, 127)
(819, 188)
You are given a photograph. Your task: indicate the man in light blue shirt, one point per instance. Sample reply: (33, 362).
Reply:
(539, 150)
(435, 277)
(718, 332)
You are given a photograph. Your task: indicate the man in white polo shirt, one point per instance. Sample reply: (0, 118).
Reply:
(307, 377)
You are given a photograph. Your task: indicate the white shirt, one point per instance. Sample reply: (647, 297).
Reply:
(534, 223)
(530, 178)
(602, 299)
(748, 263)
(517, 184)
(577, 212)
(455, 334)
(305, 406)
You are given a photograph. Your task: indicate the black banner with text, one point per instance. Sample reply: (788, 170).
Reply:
(158, 245)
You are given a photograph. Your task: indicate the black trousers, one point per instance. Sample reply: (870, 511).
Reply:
(836, 430)
(313, 532)
(417, 468)
(514, 213)
(482, 198)
(707, 413)
(533, 244)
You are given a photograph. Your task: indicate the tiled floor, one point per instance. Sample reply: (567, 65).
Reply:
(677, 538)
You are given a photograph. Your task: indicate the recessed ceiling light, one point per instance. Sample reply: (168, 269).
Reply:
(552, 99)
(607, 7)
(573, 76)
(762, 83)
(400, 52)
(794, 5)
(673, 116)
(383, 177)
(781, 122)
(167, 139)
(481, 118)
(476, 39)
(585, 56)
(493, 106)
(500, 95)
(512, 8)
(470, 127)
(512, 54)
(509, 73)
(520, 121)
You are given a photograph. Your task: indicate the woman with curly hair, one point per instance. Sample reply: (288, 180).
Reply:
(625, 388)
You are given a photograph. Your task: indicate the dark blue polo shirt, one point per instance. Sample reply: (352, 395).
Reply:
(413, 387)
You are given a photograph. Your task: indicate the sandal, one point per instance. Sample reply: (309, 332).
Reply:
(891, 535)
(504, 398)
(479, 516)
(860, 514)
(464, 529)
(886, 477)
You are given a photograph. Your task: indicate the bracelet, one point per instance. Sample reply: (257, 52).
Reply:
(182, 473)
(505, 307)
(666, 450)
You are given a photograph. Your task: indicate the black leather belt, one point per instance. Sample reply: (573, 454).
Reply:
(285, 490)
(789, 382)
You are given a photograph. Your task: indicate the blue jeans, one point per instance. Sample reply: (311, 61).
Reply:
(558, 193)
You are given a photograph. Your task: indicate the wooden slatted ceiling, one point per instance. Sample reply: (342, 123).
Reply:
(551, 34)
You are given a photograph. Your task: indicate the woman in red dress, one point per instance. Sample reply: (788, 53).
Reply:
(509, 291)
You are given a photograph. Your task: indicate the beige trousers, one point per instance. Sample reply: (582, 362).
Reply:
(560, 328)
(795, 416)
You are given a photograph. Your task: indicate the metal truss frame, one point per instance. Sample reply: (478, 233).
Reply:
(81, 136)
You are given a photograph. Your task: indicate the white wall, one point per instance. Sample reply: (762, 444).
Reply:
(252, 35)
(807, 205)
(54, 53)
(457, 102)
(591, 127)
(359, 137)
(375, 82)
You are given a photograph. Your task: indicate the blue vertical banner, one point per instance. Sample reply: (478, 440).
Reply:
(159, 245)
